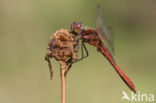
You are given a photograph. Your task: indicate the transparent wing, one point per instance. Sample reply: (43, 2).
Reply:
(104, 30)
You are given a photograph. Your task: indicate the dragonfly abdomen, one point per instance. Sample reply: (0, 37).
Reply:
(128, 82)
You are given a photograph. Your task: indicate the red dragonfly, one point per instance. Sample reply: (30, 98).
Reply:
(101, 38)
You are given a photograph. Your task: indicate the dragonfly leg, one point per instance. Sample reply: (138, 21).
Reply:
(70, 61)
(78, 42)
(69, 64)
(82, 52)
(85, 50)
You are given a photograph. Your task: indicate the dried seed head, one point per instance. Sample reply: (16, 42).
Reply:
(62, 45)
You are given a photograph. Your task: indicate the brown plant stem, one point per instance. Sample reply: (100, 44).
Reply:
(63, 84)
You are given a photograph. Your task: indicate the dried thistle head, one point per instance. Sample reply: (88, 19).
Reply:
(62, 46)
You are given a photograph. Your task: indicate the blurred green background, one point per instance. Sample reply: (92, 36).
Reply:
(25, 28)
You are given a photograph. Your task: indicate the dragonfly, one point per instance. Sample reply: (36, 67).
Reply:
(101, 37)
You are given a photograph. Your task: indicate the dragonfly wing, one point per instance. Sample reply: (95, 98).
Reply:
(104, 30)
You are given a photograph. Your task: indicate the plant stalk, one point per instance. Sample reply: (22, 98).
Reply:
(63, 84)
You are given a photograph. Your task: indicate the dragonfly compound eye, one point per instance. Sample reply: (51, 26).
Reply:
(76, 27)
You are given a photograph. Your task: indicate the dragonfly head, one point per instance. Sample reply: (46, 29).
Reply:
(76, 27)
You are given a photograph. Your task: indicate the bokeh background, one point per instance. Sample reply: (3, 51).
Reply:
(25, 28)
